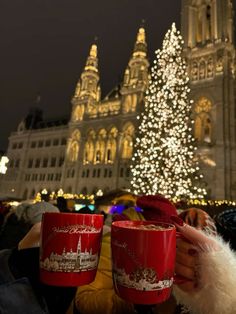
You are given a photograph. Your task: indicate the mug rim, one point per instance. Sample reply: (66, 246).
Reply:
(118, 224)
(72, 213)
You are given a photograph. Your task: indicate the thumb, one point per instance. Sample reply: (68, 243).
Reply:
(195, 236)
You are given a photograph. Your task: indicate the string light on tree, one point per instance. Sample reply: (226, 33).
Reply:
(164, 158)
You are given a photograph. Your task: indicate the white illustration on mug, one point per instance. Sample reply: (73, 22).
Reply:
(70, 261)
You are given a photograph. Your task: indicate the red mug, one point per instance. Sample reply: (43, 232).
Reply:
(69, 248)
(143, 260)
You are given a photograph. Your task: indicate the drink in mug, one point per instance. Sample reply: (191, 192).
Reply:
(70, 248)
(143, 260)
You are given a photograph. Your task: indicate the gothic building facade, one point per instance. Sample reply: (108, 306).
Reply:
(207, 30)
(92, 149)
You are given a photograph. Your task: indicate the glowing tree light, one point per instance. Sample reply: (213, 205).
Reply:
(164, 158)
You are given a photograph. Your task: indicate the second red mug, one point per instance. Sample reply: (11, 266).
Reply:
(143, 260)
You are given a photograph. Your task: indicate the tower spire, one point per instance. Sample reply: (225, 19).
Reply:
(88, 92)
(140, 47)
(92, 61)
(88, 84)
(136, 73)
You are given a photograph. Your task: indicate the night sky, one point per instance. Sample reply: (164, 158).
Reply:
(44, 45)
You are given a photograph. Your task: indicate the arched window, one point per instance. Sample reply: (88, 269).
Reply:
(202, 70)
(111, 146)
(210, 67)
(100, 146)
(127, 142)
(89, 147)
(73, 146)
(208, 22)
(203, 121)
(78, 113)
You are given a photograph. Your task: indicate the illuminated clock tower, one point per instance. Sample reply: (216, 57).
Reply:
(207, 29)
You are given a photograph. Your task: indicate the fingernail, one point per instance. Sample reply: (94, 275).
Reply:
(192, 252)
(177, 220)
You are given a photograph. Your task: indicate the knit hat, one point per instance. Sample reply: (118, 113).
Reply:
(156, 207)
(32, 213)
(199, 219)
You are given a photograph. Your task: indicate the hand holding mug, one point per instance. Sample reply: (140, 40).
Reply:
(189, 246)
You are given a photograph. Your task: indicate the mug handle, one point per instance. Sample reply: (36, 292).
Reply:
(178, 279)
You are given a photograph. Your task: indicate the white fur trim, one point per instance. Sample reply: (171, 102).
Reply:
(217, 270)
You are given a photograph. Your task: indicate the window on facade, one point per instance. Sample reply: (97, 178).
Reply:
(14, 145)
(40, 144)
(11, 163)
(111, 145)
(127, 172)
(100, 146)
(98, 156)
(30, 163)
(73, 146)
(26, 177)
(20, 145)
(94, 173)
(17, 163)
(127, 142)
(37, 163)
(89, 148)
(48, 143)
(87, 173)
(83, 174)
(33, 144)
(63, 141)
(55, 142)
(53, 162)
(105, 173)
(121, 172)
(109, 155)
(203, 122)
(98, 172)
(110, 173)
(50, 177)
(45, 162)
(61, 160)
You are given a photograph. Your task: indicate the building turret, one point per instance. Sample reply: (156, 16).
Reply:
(88, 92)
(136, 74)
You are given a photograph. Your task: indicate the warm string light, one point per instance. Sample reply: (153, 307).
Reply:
(164, 161)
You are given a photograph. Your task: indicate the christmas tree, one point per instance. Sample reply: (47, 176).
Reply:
(164, 158)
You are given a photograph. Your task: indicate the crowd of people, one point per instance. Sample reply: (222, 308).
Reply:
(205, 258)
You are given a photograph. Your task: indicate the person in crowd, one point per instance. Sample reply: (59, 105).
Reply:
(19, 221)
(20, 288)
(4, 210)
(226, 226)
